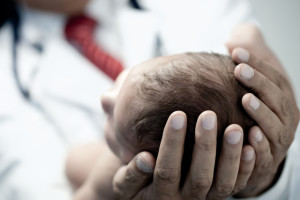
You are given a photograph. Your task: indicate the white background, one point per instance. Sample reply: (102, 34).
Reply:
(280, 22)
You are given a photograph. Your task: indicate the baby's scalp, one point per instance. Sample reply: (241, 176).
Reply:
(192, 83)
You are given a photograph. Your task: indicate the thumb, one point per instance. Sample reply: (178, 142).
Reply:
(134, 177)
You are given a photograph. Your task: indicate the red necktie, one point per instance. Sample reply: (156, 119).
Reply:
(79, 32)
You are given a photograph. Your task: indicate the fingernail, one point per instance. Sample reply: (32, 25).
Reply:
(143, 166)
(258, 136)
(208, 122)
(248, 155)
(177, 122)
(243, 55)
(254, 103)
(246, 72)
(234, 137)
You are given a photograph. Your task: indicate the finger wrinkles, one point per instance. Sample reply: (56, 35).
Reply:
(223, 190)
(206, 146)
(263, 87)
(200, 187)
(265, 166)
(232, 159)
(263, 175)
(168, 176)
(119, 187)
(276, 101)
(245, 170)
(173, 142)
(284, 139)
(267, 91)
(281, 81)
(266, 69)
(267, 160)
(238, 188)
(285, 110)
(270, 127)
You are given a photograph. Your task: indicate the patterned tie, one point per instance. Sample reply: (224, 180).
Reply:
(79, 32)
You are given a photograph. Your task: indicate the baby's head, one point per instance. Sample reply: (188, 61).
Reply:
(142, 100)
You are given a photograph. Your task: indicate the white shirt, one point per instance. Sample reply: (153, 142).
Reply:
(34, 140)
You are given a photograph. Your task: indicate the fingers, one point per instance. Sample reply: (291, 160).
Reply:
(264, 168)
(130, 179)
(266, 119)
(241, 55)
(200, 176)
(228, 163)
(246, 167)
(268, 92)
(261, 145)
(167, 171)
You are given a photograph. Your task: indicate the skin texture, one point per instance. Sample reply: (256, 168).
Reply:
(278, 110)
(278, 131)
(232, 174)
(278, 121)
(200, 182)
(277, 115)
(119, 100)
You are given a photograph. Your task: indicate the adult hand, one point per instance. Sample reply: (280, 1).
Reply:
(205, 180)
(276, 112)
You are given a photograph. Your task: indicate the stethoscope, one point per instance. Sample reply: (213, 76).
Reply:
(15, 22)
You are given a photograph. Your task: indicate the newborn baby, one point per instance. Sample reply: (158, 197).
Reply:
(143, 98)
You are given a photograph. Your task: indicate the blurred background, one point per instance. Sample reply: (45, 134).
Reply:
(57, 93)
(281, 27)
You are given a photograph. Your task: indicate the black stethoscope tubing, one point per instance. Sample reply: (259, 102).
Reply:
(15, 22)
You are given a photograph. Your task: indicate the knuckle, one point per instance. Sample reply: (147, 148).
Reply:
(260, 86)
(264, 175)
(120, 189)
(232, 158)
(119, 192)
(285, 107)
(131, 176)
(239, 187)
(173, 143)
(284, 138)
(271, 127)
(266, 165)
(281, 81)
(223, 190)
(201, 185)
(166, 175)
(265, 152)
(207, 146)
(265, 83)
